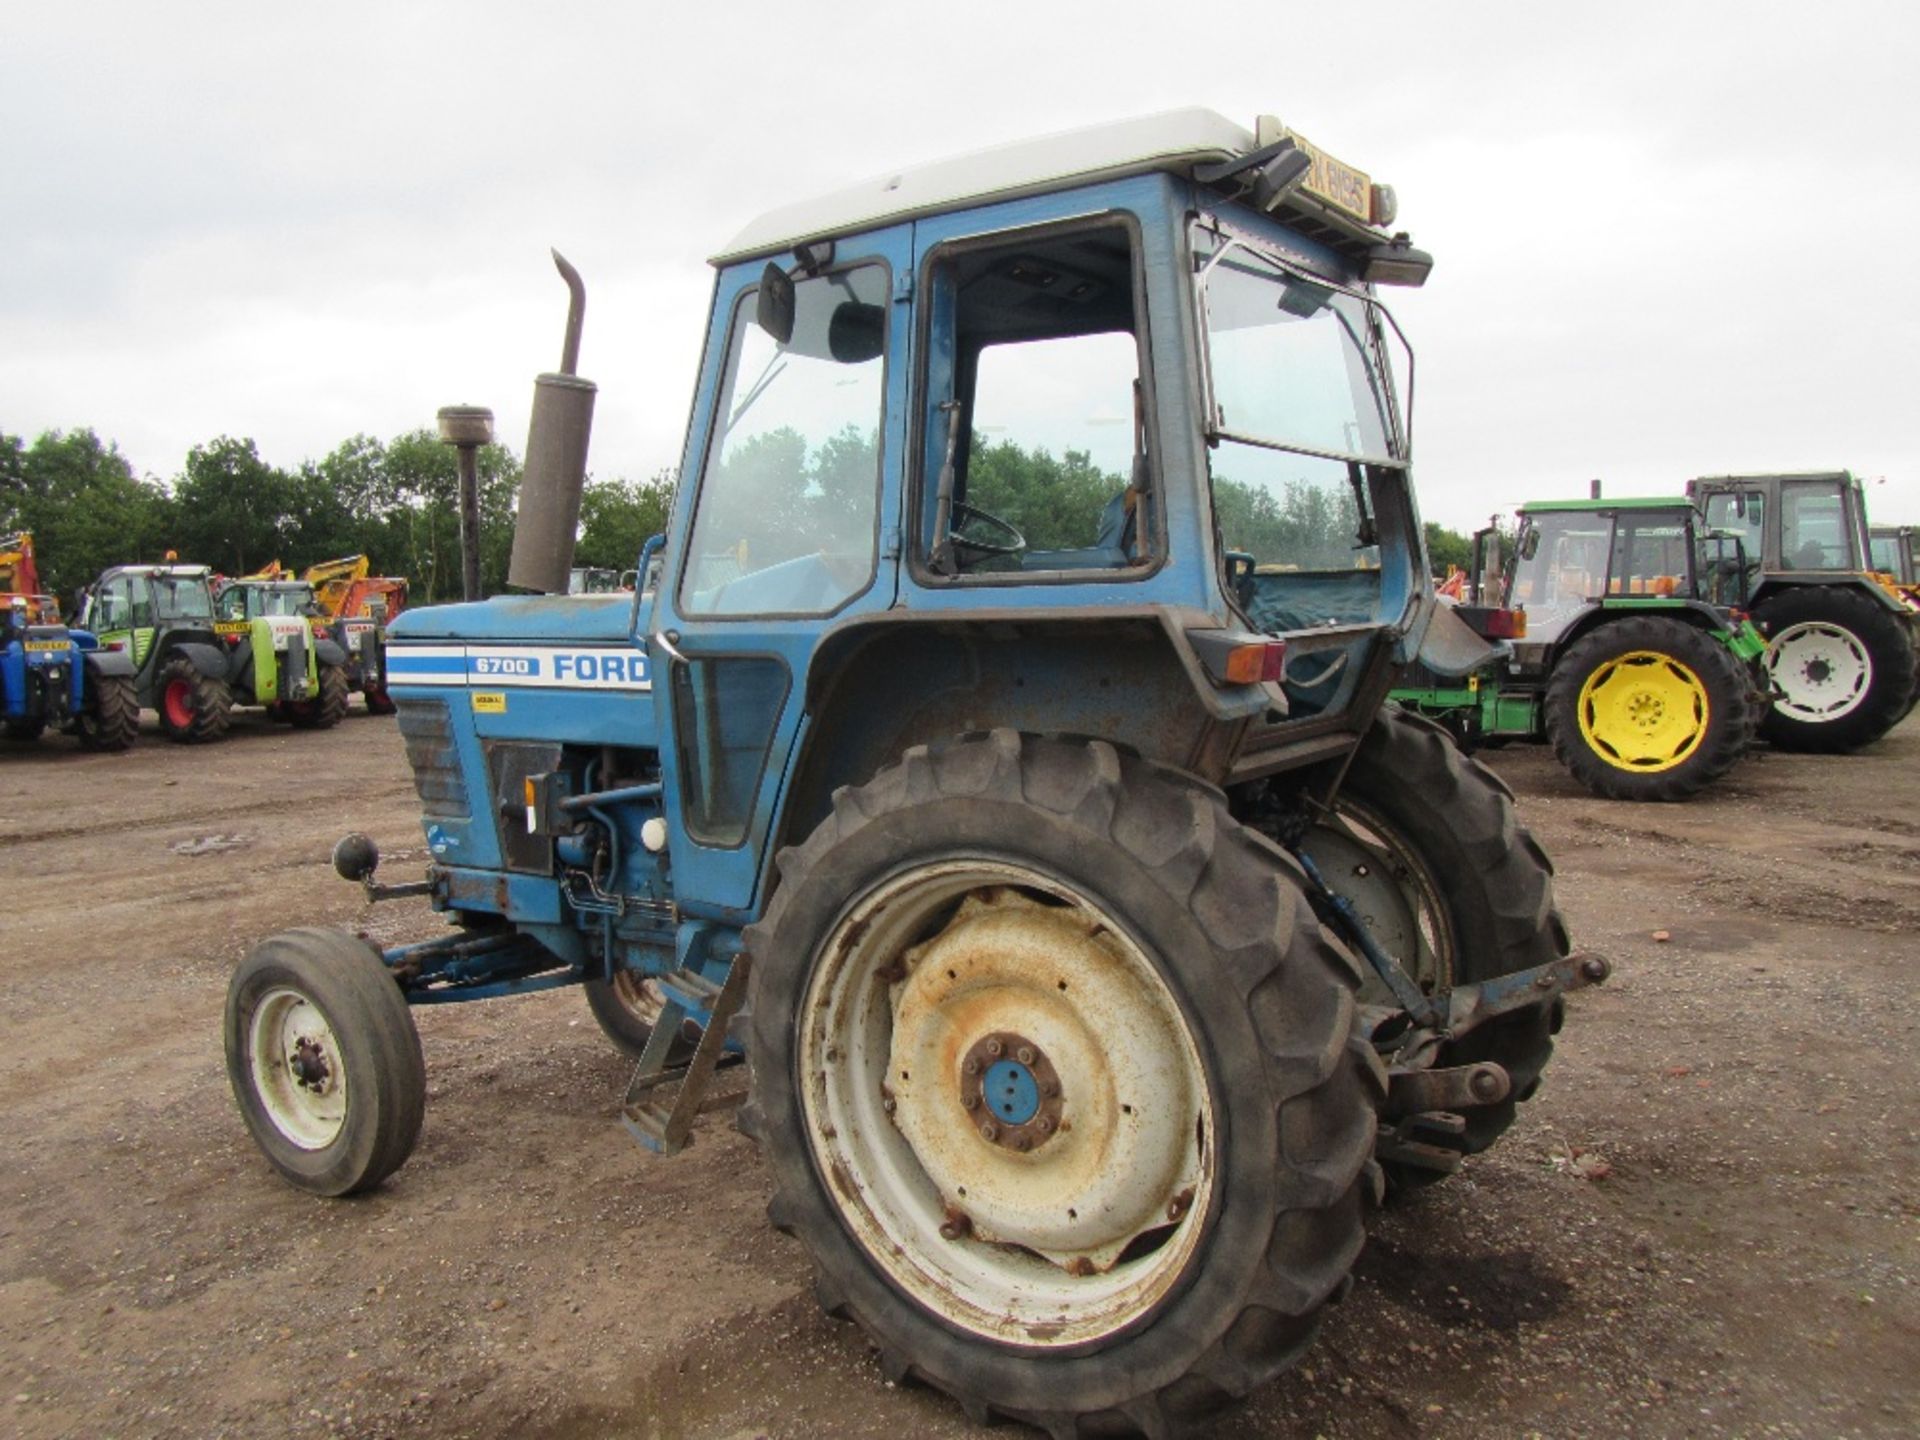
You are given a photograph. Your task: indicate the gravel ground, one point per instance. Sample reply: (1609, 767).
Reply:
(1707, 1224)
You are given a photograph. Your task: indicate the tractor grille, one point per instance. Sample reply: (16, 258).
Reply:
(427, 728)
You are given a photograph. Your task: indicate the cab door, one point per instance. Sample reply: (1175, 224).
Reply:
(786, 527)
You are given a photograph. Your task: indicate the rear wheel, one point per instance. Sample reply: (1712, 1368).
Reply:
(1841, 666)
(1424, 841)
(324, 1060)
(327, 708)
(1068, 1113)
(1648, 708)
(194, 708)
(111, 720)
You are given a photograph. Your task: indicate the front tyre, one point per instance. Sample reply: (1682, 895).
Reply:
(1052, 1064)
(111, 720)
(1648, 708)
(194, 708)
(1841, 667)
(329, 707)
(626, 1008)
(324, 1060)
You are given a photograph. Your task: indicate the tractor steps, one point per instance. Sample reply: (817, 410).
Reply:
(663, 1122)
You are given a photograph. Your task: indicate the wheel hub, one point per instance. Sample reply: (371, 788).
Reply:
(1644, 711)
(1009, 1089)
(308, 1062)
(1822, 671)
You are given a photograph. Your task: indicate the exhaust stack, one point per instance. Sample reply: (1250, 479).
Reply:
(556, 468)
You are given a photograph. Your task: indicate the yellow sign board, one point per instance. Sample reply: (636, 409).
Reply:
(489, 702)
(231, 627)
(43, 646)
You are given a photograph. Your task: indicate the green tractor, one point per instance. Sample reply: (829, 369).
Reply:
(280, 654)
(1620, 645)
(161, 617)
(1843, 650)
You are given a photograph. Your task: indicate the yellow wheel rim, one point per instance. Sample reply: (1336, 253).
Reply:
(1643, 711)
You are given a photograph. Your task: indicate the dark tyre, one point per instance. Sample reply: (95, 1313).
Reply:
(379, 702)
(111, 720)
(25, 731)
(329, 707)
(1841, 666)
(324, 1060)
(1648, 708)
(627, 1008)
(1054, 1070)
(194, 708)
(1424, 841)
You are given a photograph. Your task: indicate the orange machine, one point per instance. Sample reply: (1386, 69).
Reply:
(20, 576)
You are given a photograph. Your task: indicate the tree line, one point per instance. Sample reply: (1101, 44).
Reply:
(395, 501)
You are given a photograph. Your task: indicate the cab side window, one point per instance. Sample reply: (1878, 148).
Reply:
(1035, 443)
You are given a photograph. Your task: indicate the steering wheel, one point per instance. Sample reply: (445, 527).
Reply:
(962, 514)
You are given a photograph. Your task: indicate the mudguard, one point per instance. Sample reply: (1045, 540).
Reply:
(328, 652)
(106, 663)
(207, 659)
(1451, 648)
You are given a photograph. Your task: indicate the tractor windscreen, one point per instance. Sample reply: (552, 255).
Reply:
(1817, 532)
(291, 601)
(1560, 567)
(1307, 437)
(182, 597)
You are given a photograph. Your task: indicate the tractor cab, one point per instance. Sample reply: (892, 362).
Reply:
(279, 652)
(1892, 555)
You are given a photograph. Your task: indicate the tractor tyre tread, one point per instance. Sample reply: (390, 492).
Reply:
(112, 722)
(1276, 1005)
(1890, 689)
(1730, 721)
(210, 703)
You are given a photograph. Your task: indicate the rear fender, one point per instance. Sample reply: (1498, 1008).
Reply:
(328, 652)
(108, 664)
(209, 660)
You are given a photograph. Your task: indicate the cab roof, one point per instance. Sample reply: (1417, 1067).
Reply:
(1641, 502)
(178, 572)
(1174, 142)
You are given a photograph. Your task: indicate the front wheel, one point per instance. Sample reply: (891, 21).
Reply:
(626, 1008)
(111, 720)
(1648, 708)
(1067, 1113)
(194, 708)
(1841, 667)
(328, 707)
(25, 731)
(324, 1060)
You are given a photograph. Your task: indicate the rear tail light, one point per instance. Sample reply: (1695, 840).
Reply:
(1506, 625)
(1253, 664)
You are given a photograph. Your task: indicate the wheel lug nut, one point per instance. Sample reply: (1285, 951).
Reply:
(887, 1104)
(1022, 1143)
(1024, 1055)
(972, 1067)
(972, 1102)
(1043, 1125)
(989, 1131)
(994, 1047)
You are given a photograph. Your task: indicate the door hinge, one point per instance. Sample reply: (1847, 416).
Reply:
(902, 287)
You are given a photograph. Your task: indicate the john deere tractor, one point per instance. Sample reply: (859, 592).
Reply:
(278, 659)
(1100, 940)
(1623, 647)
(54, 677)
(161, 618)
(1843, 650)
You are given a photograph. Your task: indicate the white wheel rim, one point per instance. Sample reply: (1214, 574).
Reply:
(298, 1072)
(1820, 671)
(1087, 1229)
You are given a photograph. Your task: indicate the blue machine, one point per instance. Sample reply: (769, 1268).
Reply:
(999, 761)
(54, 677)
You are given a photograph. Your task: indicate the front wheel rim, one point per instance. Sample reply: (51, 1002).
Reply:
(1006, 1104)
(299, 1073)
(178, 703)
(1819, 671)
(1644, 712)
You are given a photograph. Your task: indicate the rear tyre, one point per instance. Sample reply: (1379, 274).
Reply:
(194, 708)
(326, 709)
(112, 720)
(379, 702)
(324, 1060)
(1648, 708)
(1841, 666)
(1424, 841)
(627, 1008)
(1053, 1067)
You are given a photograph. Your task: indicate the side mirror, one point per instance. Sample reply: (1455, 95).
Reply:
(1530, 545)
(773, 307)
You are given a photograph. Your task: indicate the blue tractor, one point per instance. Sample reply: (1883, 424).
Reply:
(53, 676)
(1001, 761)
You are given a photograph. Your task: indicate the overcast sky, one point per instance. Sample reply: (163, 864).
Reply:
(1667, 236)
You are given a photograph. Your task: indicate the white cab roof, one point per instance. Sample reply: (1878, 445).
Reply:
(1176, 140)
